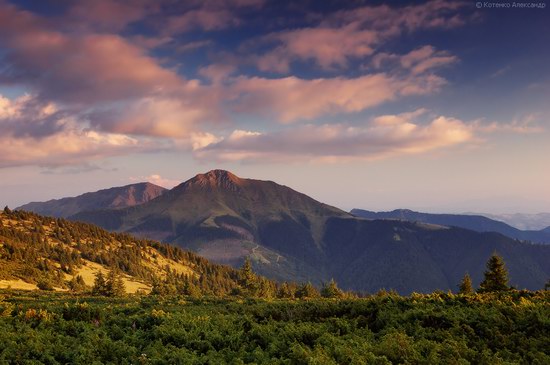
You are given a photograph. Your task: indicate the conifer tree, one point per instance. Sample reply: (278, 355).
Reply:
(285, 291)
(307, 291)
(191, 289)
(100, 285)
(114, 285)
(331, 290)
(496, 275)
(465, 286)
(247, 279)
(77, 284)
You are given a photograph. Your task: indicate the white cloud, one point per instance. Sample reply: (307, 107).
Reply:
(384, 136)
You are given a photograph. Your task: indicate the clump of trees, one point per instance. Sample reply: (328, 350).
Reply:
(110, 286)
(495, 278)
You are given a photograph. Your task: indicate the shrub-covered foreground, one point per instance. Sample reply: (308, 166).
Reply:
(505, 328)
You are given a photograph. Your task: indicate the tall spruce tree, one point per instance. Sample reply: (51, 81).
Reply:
(496, 275)
(247, 279)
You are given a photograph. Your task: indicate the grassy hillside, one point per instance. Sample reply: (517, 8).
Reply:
(35, 248)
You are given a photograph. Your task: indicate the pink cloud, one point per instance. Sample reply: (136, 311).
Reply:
(338, 142)
(109, 15)
(329, 47)
(290, 99)
(77, 68)
(354, 34)
(174, 117)
(202, 19)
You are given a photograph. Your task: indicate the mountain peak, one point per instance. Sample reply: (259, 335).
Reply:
(217, 179)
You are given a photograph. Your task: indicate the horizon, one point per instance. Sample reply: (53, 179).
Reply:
(433, 106)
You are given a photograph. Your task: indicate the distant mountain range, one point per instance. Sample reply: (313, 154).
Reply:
(113, 198)
(530, 222)
(474, 222)
(290, 236)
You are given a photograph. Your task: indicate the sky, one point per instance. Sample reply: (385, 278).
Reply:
(441, 106)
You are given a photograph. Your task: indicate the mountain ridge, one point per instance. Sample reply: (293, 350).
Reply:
(113, 198)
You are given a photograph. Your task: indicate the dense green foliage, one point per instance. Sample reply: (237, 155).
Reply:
(495, 328)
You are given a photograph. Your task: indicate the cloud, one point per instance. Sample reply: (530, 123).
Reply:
(525, 125)
(175, 117)
(27, 116)
(68, 147)
(290, 99)
(385, 136)
(157, 180)
(417, 61)
(205, 15)
(355, 34)
(96, 80)
(108, 15)
(34, 133)
(202, 19)
(328, 47)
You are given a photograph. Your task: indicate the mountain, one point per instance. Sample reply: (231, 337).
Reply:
(35, 248)
(113, 198)
(474, 222)
(290, 236)
(225, 218)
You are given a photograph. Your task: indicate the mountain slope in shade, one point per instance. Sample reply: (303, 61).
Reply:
(474, 222)
(113, 198)
(290, 236)
(417, 257)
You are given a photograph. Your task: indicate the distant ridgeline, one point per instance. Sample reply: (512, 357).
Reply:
(289, 236)
(476, 223)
